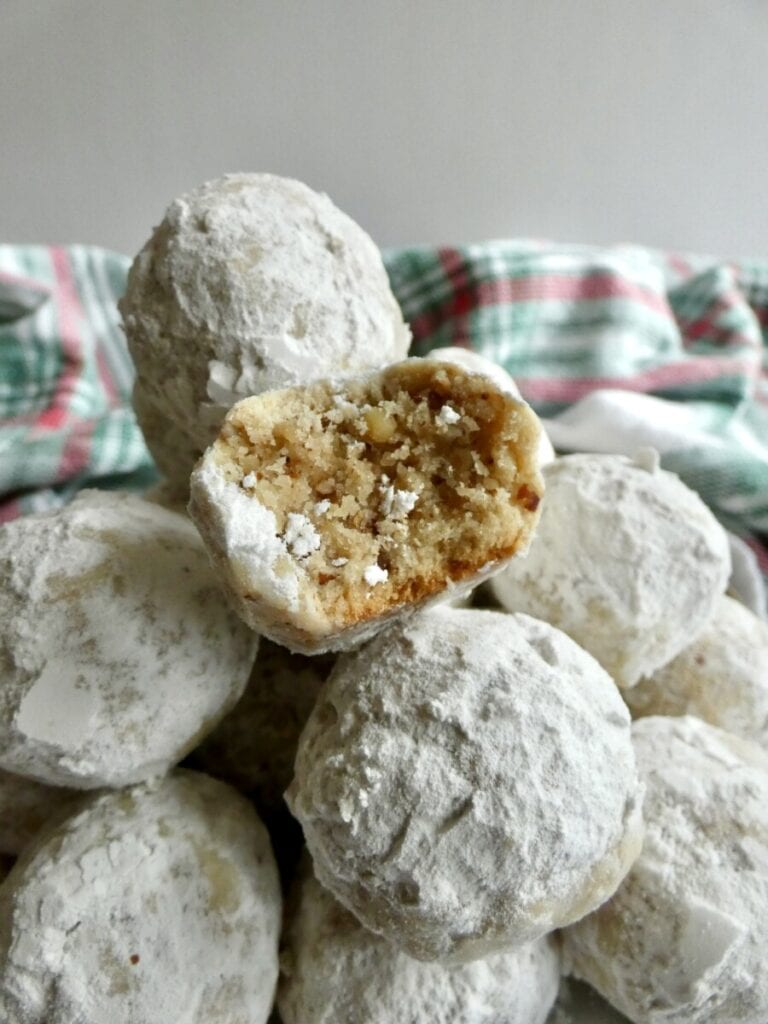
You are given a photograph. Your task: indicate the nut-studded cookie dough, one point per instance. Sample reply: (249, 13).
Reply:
(466, 783)
(330, 508)
(627, 560)
(474, 362)
(721, 677)
(157, 903)
(683, 940)
(251, 282)
(118, 652)
(334, 971)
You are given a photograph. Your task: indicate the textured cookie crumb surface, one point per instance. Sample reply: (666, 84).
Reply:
(328, 507)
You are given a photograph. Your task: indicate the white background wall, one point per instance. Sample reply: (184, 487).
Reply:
(426, 120)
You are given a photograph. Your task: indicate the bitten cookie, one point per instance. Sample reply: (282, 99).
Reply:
(684, 938)
(251, 282)
(721, 677)
(328, 509)
(475, 363)
(118, 652)
(466, 783)
(627, 560)
(158, 903)
(334, 971)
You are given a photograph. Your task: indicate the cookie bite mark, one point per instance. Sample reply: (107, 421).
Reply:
(330, 507)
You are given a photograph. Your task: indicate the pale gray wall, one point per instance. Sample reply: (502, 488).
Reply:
(427, 120)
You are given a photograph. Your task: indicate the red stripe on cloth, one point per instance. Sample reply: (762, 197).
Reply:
(25, 282)
(10, 510)
(462, 299)
(567, 288)
(707, 325)
(692, 371)
(70, 314)
(759, 552)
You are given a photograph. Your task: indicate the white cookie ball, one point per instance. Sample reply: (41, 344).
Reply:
(684, 938)
(159, 903)
(253, 282)
(254, 746)
(334, 971)
(466, 783)
(118, 651)
(475, 363)
(25, 807)
(173, 451)
(626, 560)
(721, 677)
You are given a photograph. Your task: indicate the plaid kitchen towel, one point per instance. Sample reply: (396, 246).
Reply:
(568, 322)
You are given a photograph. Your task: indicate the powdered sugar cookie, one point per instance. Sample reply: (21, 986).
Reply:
(476, 363)
(251, 282)
(118, 651)
(334, 971)
(627, 560)
(329, 508)
(721, 677)
(25, 806)
(466, 783)
(684, 938)
(157, 903)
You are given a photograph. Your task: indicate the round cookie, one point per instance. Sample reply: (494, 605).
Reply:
(684, 938)
(118, 652)
(254, 746)
(173, 451)
(157, 903)
(334, 971)
(475, 363)
(252, 282)
(626, 559)
(466, 783)
(721, 677)
(331, 508)
(25, 806)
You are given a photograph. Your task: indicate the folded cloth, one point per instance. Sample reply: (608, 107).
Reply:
(582, 330)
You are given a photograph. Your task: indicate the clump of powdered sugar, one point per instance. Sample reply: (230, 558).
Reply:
(448, 416)
(684, 937)
(627, 560)
(157, 903)
(440, 769)
(300, 535)
(374, 575)
(396, 503)
(334, 970)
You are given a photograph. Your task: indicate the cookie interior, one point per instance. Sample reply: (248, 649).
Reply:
(388, 488)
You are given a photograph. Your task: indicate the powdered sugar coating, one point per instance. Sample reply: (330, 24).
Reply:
(158, 903)
(466, 783)
(253, 282)
(334, 971)
(25, 807)
(683, 940)
(626, 559)
(721, 677)
(118, 652)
